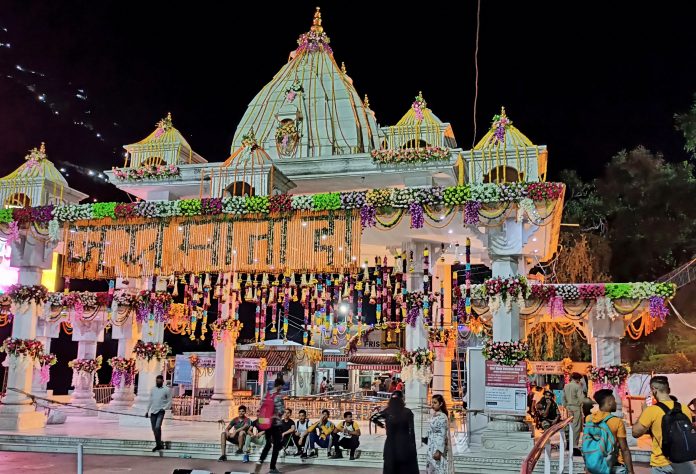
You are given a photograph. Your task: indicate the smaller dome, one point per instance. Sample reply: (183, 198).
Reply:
(503, 135)
(36, 165)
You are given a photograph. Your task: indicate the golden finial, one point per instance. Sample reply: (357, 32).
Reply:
(343, 68)
(169, 116)
(42, 148)
(316, 24)
(367, 102)
(502, 111)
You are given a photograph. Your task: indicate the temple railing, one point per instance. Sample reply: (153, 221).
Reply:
(103, 393)
(543, 446)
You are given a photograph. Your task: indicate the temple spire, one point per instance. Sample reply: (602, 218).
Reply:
(316, 23)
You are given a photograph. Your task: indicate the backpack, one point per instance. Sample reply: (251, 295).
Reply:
(599, 447)
(266, 412)
(678, 435)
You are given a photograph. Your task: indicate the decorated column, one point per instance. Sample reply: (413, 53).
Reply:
(85, 366)
(45, 331)
(507, 430)
(442, 335)
(605, 331)
(225, 332)
(31, 254)
(151, 310)
(123, 364)
(419, 279)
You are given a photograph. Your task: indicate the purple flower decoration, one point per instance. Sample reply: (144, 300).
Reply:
(657, 308)
(368, 216)
(471, 212)
(412, 316)
(416, 211)
(211, 206)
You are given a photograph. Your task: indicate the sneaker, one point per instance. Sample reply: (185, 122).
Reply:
(239, 451)
(274, 471)
(577, 452)
(222, 458)
(352, 457)
(245, 458)
(155, 449)
(314, 454)
(303, 456)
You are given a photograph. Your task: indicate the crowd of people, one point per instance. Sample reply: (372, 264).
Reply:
(600, 437)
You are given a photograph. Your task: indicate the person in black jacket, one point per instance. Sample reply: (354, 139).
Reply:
(400, 447)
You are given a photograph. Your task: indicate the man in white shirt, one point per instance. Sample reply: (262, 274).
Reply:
(160, 400)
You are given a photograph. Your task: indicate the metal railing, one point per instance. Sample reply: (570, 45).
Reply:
(543, 446)
(362, 408)
(103, 393)
(186, 406)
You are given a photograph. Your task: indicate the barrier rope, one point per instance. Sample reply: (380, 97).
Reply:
(34, 398)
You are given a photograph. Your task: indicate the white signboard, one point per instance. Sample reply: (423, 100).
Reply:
(506, 388)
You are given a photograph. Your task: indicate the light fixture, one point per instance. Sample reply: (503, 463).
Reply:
(450, 231)
(304, 224)
(340, 249)
(90, 172)
(534, 239)
(343, 308)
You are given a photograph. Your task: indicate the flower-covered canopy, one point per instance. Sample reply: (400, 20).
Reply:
(165, 145)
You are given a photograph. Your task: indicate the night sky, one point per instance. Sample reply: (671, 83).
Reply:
(587, 80)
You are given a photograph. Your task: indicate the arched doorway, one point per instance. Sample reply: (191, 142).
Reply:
(503, 174)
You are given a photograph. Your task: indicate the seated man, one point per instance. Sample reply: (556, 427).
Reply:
(254, 436)
(319, 435)
(548, 411)
(346, 435)
(235, 433)
(287, 428)
(301, 427)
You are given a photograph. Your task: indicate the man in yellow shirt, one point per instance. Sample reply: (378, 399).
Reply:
(650, 421)
(607, 404)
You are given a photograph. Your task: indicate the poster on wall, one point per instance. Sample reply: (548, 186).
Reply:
(506, 388)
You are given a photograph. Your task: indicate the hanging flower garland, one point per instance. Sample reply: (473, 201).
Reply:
(153, 306)
(610, 376)
(500, 126)
(87, 366)
(123, 373)
(441, 335)
(46, 361)
(416, 365)
(410, 155)
(357, 340)
(567, 368)
(17, 347)
(223, 328)
(22, 294)
(147, 172)
(292, 91)
(506, 353)
(151, 350)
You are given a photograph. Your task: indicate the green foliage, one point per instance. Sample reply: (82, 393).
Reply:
(647, 205)
(673, 342)
(686, 123)
(665, 363)
(649, 351)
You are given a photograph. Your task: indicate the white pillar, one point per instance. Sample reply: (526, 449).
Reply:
(605, 342)
(416, 338)
(83, 393)
(221, 405)
(17, 412)
(147, 372)
(507, 433)
(45, 332)
(442, 367)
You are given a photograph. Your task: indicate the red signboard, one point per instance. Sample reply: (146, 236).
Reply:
(506, 376)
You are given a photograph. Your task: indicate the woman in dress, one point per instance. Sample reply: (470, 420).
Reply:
(400, 447)
(440, 459)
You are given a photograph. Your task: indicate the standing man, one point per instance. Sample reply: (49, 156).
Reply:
(573, 397)
(650, 421)
(323, 385)
(607, 405)
(274, 434)
(160, 400)
(235, 433)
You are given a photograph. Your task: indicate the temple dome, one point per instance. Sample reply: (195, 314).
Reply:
(310, 108)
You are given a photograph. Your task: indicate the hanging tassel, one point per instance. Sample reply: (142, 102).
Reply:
(235, 282)
(397, 289)
(176, 289)
(248, 280)
(264, 281)
(206, 283)
(366, 272)
(346, 290)
(303, 282)
(293, 282)
(248, 296)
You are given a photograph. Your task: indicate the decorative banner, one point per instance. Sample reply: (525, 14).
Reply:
(506, 388)
(305, 241)
(555, 368)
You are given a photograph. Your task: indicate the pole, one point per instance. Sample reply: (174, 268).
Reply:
(79, 458)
